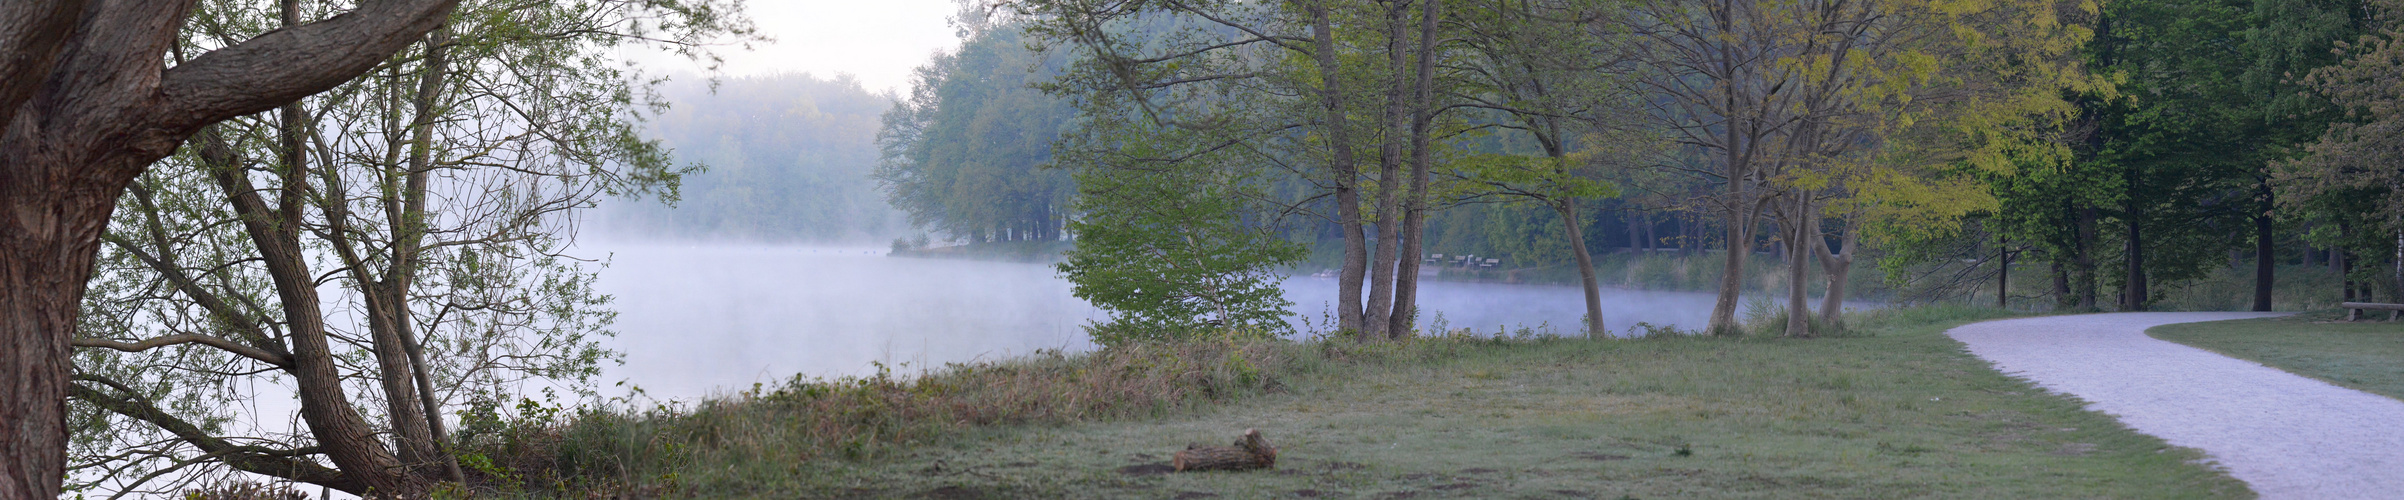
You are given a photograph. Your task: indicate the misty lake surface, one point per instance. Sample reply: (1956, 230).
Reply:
(697, 320)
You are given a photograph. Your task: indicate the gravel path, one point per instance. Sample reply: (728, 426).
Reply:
(2285, 435)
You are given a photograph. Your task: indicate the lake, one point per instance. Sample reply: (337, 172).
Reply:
(702, 319)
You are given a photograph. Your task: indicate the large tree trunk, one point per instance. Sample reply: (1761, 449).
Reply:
(43, 234)
(1414, 222)
(1347, 176)
(88, 103)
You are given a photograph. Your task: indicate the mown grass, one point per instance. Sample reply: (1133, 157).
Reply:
(2365, 355)
(1895, 411)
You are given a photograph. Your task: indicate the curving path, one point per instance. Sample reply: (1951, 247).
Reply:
(2285, 435)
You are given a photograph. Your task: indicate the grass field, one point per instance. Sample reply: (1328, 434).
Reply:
(2365, 355)
(1901, 412)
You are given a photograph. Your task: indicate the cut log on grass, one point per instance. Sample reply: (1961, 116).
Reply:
(1251, 452)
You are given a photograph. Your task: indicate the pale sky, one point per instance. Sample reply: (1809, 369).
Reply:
(879, 41)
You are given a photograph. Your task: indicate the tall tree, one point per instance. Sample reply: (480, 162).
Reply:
(91, 102)
(435, 191)
(1555, 80)
(1307, 87)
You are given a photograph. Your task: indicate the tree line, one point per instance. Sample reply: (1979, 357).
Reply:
(2117, 146)
(789, 156)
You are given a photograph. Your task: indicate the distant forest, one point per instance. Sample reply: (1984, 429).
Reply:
(787, 158)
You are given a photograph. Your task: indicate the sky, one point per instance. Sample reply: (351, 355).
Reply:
(878, 41)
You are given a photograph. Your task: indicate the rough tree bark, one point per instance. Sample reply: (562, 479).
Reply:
(89, 103)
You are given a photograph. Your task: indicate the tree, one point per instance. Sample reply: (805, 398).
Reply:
(435, 191)
(1555, 81)
(1305, 87)
(102, 104)
(1174, 251)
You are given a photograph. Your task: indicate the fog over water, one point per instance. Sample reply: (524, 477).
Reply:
(700, 319)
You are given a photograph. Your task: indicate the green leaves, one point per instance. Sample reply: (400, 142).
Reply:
(1174, 250)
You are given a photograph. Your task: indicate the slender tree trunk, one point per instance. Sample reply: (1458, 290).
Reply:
(1652, 238)
(1732, 278)
(1346, 173)
(1798, 297)
(338, 428)
(1838, 267)
(1629, 215)
(2061, 284)
(1414, 222)
(1577, 249)
(404, 270)
(412, 439)
(2134, 294)
(2264, 252)
(2342, 260)
(1376, 315)
(2085, 259)
(2003, 275)
(1740, 209)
